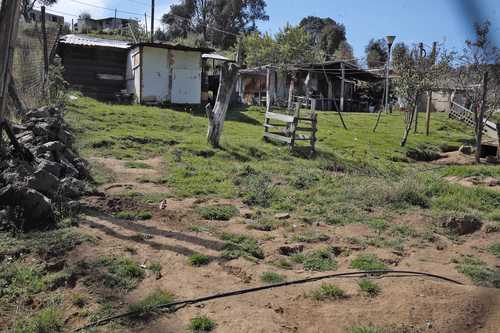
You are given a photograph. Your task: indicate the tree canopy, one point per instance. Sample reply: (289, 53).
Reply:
(216, 21)
(325, 33)
(376, 53)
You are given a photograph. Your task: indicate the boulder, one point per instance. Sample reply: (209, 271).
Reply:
(52, 146)
(44, 182)
(37, 212)
(68, 169)
(462, 225)
(467, 150)
(72, 188)
(53, 167)
(289, 250)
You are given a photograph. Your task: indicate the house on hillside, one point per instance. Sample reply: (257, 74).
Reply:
(148, 73)
(332, 85)
(86, 24)
(36, 16)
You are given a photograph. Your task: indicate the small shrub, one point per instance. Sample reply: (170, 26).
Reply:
(218, 212)
(368, 262)
(369, 288)
(495, 249)
(129, 215)
(155, 267)
(239, 245)
(409, 192)
(260, 191)
(304, 179)
(365, 329)
(201, 324)
(265, 224)
(404, 231)
(328, 292)
(283, 263)
(319, 260)
(378, 225)
(271, 277)
(146, 307)
(48, 320)
(478, 272)
(422, 154)
(310, 237)
(122, 272)
(198, 260)
(79, 300)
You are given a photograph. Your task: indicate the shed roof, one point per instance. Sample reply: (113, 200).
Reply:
(216, 56)
(89, 41)
(164, 45)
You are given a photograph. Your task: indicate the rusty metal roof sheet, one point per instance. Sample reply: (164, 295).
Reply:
(89, 41)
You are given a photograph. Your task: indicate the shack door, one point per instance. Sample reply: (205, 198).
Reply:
(186, 86)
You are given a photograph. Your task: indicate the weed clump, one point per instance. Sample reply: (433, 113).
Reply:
(368, 262)
(48, 320)
(260, 191)
(241, 246)
(365, 329)
(130, 215)
(271, 277)
(201, 324)
(369, 288)
(198, 259)
(478, 272)
(122, 272)
(218, 212)
(79, 300)
(495, 249)
(319, 260)
(146, 307)
(328, 292)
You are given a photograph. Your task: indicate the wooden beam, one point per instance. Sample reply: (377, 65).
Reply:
(342, 87)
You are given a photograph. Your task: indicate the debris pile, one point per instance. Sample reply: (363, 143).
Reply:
(36, 189)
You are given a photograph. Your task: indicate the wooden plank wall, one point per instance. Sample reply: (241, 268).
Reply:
(84, 68)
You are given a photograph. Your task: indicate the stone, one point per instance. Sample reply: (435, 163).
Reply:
(39, 113)
(65, 137)
(36, 208)
(72, 188)
(282, 216)
(52, 146)
(493, 183)
(68, 169)
(289, 250)
(467, 150)
(17, 129)
(44, 182)
(53, 167)
(463, 225)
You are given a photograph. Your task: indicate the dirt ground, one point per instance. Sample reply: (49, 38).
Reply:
(413, 304)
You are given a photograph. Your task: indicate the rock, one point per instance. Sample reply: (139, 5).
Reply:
(65, 137)
(68, 169)
(49, 166)
(36, 208)
(493, 183)
(464, 225)
(72, 188)
(282, 216)
(291, 249)
(467, 150)
(17, 129)
(44, 182)
(491, 228)
(39, 113)
(52, 146)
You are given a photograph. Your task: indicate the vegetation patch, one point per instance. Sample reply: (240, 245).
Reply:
(114, 272)
(198, 259)
(328, 292)
(79, 300)
(369, 288)
(147, 306)
(260, 191)
(48, 320)
(319, 260)
(478, 272)
(366, 329)
(131, 215)
(241, 246)
(218, 212)
(272, 277)
(368, 262)
(201, 324)
(137, 165)
(310, 236)
(495, 249)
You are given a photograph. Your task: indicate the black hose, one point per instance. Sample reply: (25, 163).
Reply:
(181, 304)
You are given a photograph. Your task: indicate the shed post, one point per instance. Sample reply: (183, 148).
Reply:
(291, 91)
(342, 87)
(330, 94)
(152, 21)
(269, 87)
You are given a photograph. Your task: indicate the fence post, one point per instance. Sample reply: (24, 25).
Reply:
(45, 53)
(428, 113)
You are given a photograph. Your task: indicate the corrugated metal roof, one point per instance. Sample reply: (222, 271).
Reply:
(85, 40)
(166, 45)
(215, 56)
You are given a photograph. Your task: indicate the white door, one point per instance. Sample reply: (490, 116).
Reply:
(186, 86)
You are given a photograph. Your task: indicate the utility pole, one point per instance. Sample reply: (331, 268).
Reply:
(421, 54)
(429, 94)
(146, 22)
(152, 21)
(45, 53)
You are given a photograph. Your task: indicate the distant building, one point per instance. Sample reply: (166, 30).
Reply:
(36, 16)
(85, 25)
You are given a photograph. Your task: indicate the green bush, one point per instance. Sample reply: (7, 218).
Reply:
(495, 249)
(367, 262)
(201, 324)
(328, 292)
(218, 212)
(319, 260)
(369, 288)
(198, 259)
(146, 307)
(271, 277)
(239, 245)
(130, 215)
(365, 329)
(48, 320)
(478, 272)
(260, 191)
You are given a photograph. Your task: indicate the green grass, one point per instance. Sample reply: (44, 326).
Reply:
(137, 165)
(119, 272)
(218, 212)
(495, 249)
(367, 262)
(369, 288)
(328, 292)
(198, 260)
(272, 277)
(241, 246)
(48, 320)
(478, 271)
(146, 307)
(79, 300)
(319, 260)
(155, 267)
(201, 324)
(132, 215)
(365, 329)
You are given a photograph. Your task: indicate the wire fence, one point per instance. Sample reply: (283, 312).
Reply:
(28, 67)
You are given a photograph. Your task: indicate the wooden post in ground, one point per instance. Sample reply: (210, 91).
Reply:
(428, 113)
(45, 50)
(291, 91)
(330, 95)
(480, 118)
(498, 136)
(270, 89)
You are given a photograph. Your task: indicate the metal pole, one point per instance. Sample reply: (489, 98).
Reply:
(386, 106)
(152, 21)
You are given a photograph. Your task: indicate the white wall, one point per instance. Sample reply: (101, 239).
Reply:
(155, 70)
(186, 77)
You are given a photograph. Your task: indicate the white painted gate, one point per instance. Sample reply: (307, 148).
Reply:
(186, 86)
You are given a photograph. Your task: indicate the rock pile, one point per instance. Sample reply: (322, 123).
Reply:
(34, 191)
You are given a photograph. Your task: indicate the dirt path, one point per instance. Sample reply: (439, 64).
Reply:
(418, 304)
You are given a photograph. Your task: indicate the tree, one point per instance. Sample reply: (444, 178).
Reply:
(260, 49)
(478, 75)
(345, 52)
(376, 53)
(27, 7)
(84, 16)
(325, 33)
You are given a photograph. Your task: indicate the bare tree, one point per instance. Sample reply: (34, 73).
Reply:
(478, 76)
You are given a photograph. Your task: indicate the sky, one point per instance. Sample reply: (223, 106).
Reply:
(412, 21)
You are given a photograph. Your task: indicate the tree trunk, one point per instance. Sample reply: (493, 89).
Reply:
(428, 113)
(291, 91)
(480, 119)
(408, 126)
(498, 136)
(216, 117)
